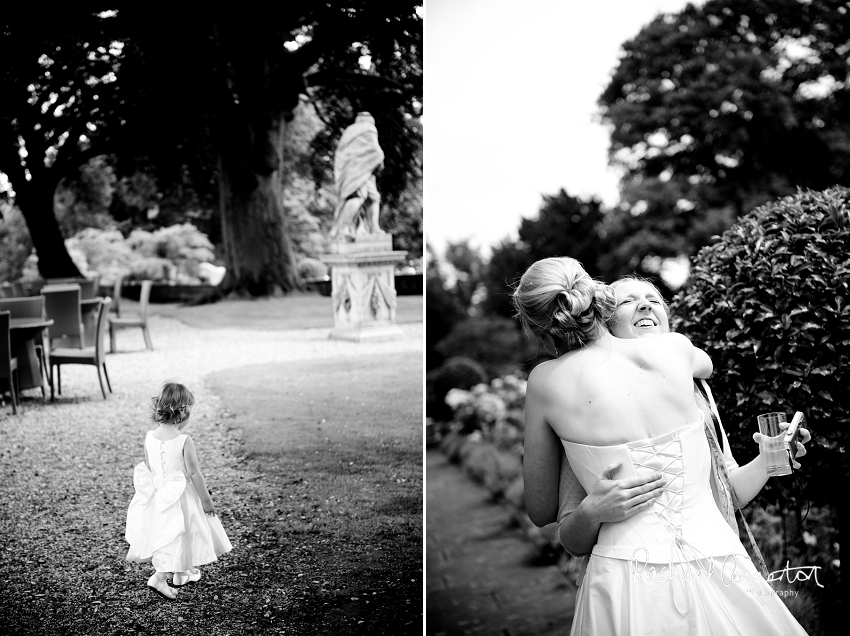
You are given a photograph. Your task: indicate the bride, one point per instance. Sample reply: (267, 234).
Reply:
(675, 567)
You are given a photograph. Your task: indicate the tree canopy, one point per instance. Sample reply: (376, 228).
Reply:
(720, 108)
(200, 104)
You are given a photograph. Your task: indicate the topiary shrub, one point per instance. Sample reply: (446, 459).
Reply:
(770, 303)
(458, 372)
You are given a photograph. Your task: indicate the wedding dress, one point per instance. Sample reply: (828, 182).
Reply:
(677, 567)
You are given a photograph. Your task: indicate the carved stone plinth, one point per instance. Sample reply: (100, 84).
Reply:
(363, 288)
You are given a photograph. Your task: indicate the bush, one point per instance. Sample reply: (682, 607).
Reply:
(183, 246)
(104, 251)
(770, 303)
(495, 343)
(494, 411)
(15, 243)
(455, 373)
(312, 269)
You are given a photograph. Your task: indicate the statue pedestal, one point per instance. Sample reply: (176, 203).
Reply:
(363, 288)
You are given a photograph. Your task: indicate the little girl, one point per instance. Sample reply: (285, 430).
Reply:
(171, 520)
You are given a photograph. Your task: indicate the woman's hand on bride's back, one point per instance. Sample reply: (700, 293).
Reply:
(612, 499)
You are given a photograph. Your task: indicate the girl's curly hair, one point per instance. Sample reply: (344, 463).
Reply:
(173, 404)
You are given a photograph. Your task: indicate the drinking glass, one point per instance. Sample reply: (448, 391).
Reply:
(772, 444)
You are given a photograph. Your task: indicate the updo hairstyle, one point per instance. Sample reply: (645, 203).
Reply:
(173, 404)
(556, 298)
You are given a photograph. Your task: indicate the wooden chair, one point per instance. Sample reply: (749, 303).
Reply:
(94, 355)
(8, 364)
(30, 307)
(116, 323)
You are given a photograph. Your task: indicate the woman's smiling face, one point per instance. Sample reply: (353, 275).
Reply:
(640, 310)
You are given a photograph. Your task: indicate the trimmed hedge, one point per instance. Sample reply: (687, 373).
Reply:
(770, 303)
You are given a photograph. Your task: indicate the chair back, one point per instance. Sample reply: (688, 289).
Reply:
(11, 290)
(100, 338)
(144, 297)
(116, 296)
(62, 305)
(26, 307)
(5, 347)
(88, 286)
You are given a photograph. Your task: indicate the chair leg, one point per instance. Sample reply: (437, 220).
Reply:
(147, 334)
(59, 377)
(106, 375)
(52, 373)
(100, 379)
(111, 339)
(12, 394)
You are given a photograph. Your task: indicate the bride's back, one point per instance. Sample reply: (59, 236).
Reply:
(614, 391)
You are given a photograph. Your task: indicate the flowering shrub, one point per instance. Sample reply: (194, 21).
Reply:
(312, 269)
(490, 412)
(183, 246)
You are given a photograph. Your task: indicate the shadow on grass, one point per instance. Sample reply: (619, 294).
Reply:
(338, 444)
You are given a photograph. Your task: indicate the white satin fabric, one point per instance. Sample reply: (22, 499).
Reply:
(677, 567)
(166, 523)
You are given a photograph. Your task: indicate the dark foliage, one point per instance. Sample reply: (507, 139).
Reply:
(723, 107)
(456, 373)
(565, 226)
(770, 303)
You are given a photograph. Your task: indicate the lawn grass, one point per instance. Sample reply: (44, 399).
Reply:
(314, 434)
(294, 311)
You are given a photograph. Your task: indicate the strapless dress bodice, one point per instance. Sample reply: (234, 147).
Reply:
(683, 524)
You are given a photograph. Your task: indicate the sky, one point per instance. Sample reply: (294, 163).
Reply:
(510, 108)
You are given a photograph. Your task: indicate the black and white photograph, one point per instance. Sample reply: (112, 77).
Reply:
(211, 319)
(637, 322)
(249, 385)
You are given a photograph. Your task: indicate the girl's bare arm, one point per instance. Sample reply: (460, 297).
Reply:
(197, 477)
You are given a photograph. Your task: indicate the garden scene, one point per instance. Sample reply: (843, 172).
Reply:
(174, 206)
(727, 120)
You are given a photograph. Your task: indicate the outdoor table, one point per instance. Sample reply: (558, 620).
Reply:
(22, 333)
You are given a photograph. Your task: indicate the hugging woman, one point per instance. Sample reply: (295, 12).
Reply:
(675, 566)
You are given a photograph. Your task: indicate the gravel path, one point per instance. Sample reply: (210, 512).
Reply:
(66, 481)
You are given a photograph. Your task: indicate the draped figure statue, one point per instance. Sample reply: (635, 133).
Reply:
(358, 158)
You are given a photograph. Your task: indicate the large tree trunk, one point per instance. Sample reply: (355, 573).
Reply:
(35, 201)
(258, 253)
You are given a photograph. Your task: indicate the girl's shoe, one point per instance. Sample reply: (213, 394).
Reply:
(161, 587)
(192, 576)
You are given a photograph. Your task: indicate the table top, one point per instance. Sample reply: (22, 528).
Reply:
(59, 287)
(29, 323)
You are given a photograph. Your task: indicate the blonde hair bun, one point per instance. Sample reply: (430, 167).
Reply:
(557, 298)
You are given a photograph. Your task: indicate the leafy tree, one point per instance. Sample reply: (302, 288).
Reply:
(720, 108)
(565, 226)
(60, 94)
(442, 310)
(770, 303)
(248, 71)
(200, 102)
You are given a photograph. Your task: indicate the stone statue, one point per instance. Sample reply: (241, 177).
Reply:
(358, 158)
